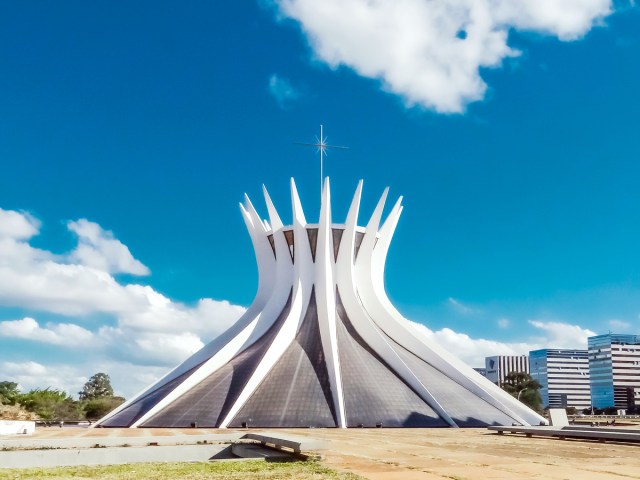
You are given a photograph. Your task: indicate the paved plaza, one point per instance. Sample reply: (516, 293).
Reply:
(402, 453)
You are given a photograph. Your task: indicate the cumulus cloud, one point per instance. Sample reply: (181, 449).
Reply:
(431, 52)
(17, 225)
(30, 375)
(38, 279)
(126, 378)
(563, 335)
(54, 333)
(474, 350)
(165, 332)
(149, 347)
(98, 248)
(147, 327)
(82, 282)
(282, 90)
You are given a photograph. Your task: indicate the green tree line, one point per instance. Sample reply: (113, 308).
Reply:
(95, 400)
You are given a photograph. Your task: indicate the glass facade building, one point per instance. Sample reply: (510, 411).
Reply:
(563, 376)
(614, 363)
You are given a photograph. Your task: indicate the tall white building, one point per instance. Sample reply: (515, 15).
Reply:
(500, 366)
(563, 376)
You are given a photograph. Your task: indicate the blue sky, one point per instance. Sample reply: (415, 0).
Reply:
(129, 133)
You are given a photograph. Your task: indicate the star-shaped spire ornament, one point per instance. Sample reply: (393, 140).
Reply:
(321, 146)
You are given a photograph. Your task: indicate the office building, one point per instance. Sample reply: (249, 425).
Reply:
(500, 366)
(563, 376)
(614, 365)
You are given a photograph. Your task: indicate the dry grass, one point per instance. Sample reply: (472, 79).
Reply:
(16, 412)
(234, 470)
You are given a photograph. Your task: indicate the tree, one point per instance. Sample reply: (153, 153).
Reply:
(98, 386)
(51, 404)
(9, 393)
(524, 388)
(99, 407)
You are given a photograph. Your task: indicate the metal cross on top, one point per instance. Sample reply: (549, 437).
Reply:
(322, 146)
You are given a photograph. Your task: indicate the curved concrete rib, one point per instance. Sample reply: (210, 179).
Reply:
(302, 288)
(347, 286)
(230, 342)
(276, 223)
(370, 279)
(326, 303)
(254, 324)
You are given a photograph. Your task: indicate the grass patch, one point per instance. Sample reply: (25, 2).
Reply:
(235, 470)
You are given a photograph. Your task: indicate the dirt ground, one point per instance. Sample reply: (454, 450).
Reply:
(409, 454)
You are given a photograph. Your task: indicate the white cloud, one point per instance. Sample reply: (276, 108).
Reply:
(153, 348)
(41, 280)
(563, 335)
(282, 90)
(17, 225)
(149, 327)
(49, 285)
(126, 378)
(30, 375)
(431, 52)
(66, 334)
(474, 350)
(98, 248)
(179, 345)
(504, 322)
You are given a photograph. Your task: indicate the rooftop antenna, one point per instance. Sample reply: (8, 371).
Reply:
(322, 146)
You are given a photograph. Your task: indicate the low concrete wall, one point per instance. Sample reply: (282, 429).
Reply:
(33, 452)
(17, 427)
(107, 456)
(81, 441)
